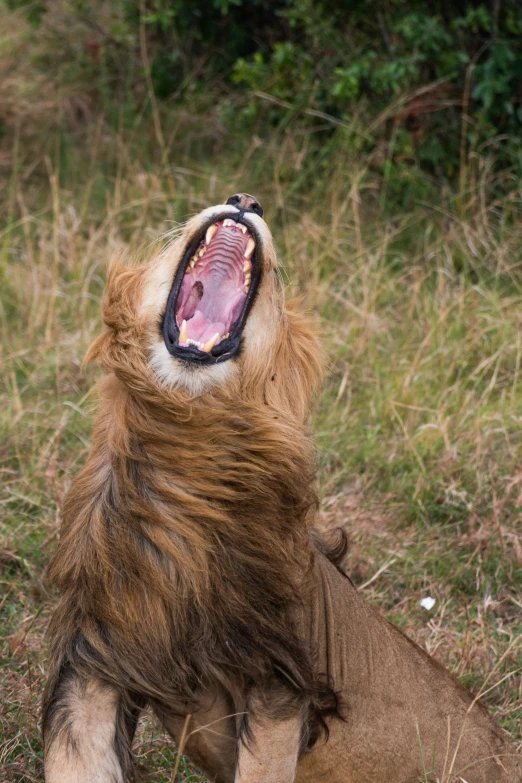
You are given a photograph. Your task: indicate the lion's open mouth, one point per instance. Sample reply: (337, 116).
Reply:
(212, 293)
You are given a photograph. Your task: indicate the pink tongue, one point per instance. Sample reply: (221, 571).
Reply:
(201, 329)
(198, 328)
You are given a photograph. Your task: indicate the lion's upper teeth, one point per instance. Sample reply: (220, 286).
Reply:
(250, 247)
(211, 230)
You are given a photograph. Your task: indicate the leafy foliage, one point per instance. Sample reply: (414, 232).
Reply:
(414, 84)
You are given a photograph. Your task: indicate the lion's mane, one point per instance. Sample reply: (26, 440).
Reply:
(184, 550)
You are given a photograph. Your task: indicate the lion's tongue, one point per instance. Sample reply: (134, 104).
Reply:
(201, 329)
(214, 317)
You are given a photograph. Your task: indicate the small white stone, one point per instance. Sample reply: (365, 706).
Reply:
(427, 603)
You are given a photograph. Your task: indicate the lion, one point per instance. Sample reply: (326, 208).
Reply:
(191, 579)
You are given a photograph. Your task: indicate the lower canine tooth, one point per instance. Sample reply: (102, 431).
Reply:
(249, 248)
(211, 230)
(210, 343)
(183, 332)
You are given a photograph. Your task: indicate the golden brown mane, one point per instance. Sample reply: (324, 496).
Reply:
(184, 538)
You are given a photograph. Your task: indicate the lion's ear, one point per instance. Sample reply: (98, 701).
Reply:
(295, 368)
(302, 359)
(123, 295)
(98, 348)
(304, 345)
(120, 307)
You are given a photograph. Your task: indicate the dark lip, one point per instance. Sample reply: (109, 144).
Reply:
(227, 348)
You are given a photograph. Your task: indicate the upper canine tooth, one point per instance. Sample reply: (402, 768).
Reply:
(211, 230)
(210, 343)
(250, 247)
(183, 333)
(243, 228)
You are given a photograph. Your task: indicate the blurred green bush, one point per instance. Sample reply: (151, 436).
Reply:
(415, 82)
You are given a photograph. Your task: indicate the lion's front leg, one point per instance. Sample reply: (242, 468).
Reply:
(271, 751)
(87, 732)
(208, 736)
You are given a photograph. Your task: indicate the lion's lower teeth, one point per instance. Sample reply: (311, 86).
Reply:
(183, 332)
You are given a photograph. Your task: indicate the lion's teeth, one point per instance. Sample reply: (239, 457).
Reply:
(247, 266)
(210, 343)
(243, 228)
(211, 231)
(250, 247)
(193, 260)
(247, 287)
(183, 333)
(229, 222)
(202, 252)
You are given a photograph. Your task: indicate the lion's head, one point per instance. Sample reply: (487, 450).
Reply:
(208, 314)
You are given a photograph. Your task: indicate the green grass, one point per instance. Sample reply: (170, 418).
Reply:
(419, 426)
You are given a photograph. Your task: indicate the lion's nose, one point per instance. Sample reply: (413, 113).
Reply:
(246, 203)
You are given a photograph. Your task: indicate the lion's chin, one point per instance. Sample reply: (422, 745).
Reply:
(190, 378)
(213, 291)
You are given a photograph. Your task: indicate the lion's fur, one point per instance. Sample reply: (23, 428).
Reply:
(185, 562)
(163, 594)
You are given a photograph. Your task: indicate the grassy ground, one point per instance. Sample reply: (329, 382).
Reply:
(419, 427)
